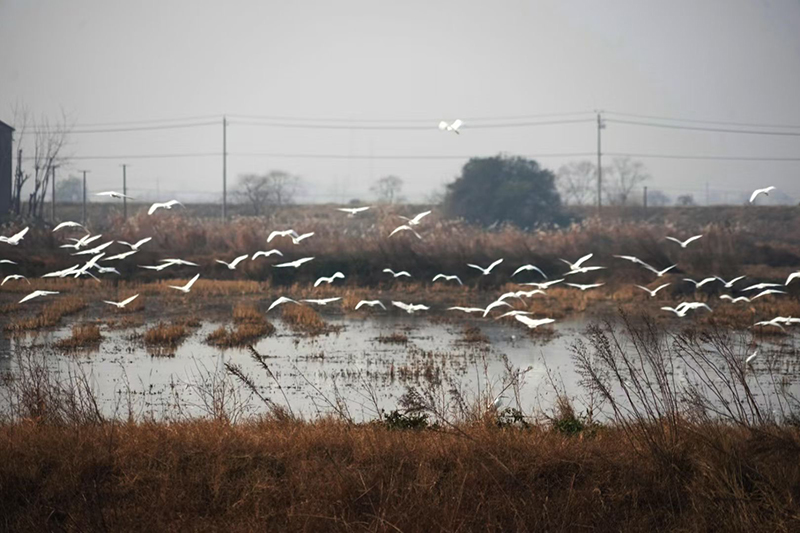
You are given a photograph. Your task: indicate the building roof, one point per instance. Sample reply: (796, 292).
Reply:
(6, 126)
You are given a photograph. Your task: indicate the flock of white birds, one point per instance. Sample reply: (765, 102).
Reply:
(81, 247)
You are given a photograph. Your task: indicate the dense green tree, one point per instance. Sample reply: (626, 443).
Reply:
(505, 189)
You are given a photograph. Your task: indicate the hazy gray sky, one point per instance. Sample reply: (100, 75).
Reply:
(108, 61)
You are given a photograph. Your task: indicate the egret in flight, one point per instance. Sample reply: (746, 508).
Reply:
(36, 294)
(585, 287)
(397, 274)
(729, 284)
(416, 219)
(186, 288)
(232, 264)
(163, 205)
(371, 303)
(653, 292)
(67, 224)
(265, 253)
(524, 268)
(765, 191)
(577, 264)
(114, 194)
(281, 300)
(322, 301)
(329, 280)
(685, 243)
(410, 308)
(533, 323)
(447, 278)
(14, 239)
(352, 211)
(123, 255)
(123, 303)
(488, 269)
(453, 126)
(14, 277)
(294, 264)
(405, 227)
(136, 245)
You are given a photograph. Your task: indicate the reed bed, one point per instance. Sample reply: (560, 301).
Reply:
(305, 319)
(251, 325)
(49, 316)
(83, 336)
(169, 335)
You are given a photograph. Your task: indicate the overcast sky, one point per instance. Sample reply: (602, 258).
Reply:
(106, 62)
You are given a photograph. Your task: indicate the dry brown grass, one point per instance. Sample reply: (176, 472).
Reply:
(242, 335)
(305, 319)
(473, 334)
(49, 316)
(331, 476)
(393, 338)
(166, 334)
(83, 335)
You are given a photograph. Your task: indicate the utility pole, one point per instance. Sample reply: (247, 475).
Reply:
(124, 191)
(53, 195)
(707, 198)
(224, 168)
(83, 218)
(644, 200)
(600, 125)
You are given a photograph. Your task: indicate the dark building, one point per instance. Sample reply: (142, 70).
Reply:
(6, 158)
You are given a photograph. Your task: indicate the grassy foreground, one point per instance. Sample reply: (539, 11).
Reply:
(329, 475)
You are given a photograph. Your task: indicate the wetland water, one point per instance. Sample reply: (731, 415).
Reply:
(352, 363)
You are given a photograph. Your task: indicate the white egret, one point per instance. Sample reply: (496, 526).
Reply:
(14, 277)
(496, 303)
(766, 292)
(178, 262)
(685, 243)
(186, 288)
(67, 224)
(513, 313)
(265, 253)
(486, 270)
(765, 191)
(232, 264)
(163, 205)
(371, 303)
(404, 227)
(751, 356)
(96, 249)
(653, 292)
(760, 286)
(729, 284)
(524, 268)
(585, 287)
(533, 323)
(793, 275)
(466, 309)
(36, 294)
(577, 264)
(631, 258)
(61, 273)
(123, 255)
(14, 239)
(136, 245)
(281, 300)
(352, 211)
(416, 219)
(657, 272)
(774, 322)
(544, 286)
(329, 279)
(322, 301)
(114, 194)
(294, 264)
(123, 303)
(698, 284)
(284, 233)
(298, 238)
(7, 262)
(453, 126)
(396, 274)
(583, 270)
(735, 300)
(447, 278)
(410, 308)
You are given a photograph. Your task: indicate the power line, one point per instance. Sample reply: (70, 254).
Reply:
(698, 121)
(391, 157)
(137, 156)
(433, 120)
(704, 157)
(119, 130)
(700, 128)
(147, 121)
(398, 128)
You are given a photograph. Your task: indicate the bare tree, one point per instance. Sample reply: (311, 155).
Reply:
(49, 139)
(387, 189)
(576, 182)
(275, 188)
(624, 175)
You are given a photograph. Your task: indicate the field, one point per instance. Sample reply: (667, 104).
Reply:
(665, 428)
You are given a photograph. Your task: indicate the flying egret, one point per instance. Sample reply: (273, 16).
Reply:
(577, 264)
(123, 255)
(453, 126)
(496, 303)
(61, 273)
(760, 286)
(397, 274)
(631, 258)
(232, 264)
(765, 191)
(298, 238)
(294, 264)
(513, 313)
(284, 233)
(186, 288)
(524, 268)
(114, 194)
(14, 239)
(83, 241)
(410, 308)
(371, 303)
(329, 280)
(14, 277)
(405, 227)
(544, 286)
(653, 292)
(584, 287)
(96, 249)
(163, 205)
(7, 262)
(657, 272)
(773, 322)
(698, 284)
(352, 211)
(67, 224)
(583, 270)
(766, 292)
(729, 284)
(36, 294)
(685, 243)
(178, 262)
(793, 275)
(281, 300)
(322, 301)
(533, 323)
(735, 300)
(689, 306)
(416, 219)
(751, 356)
(265, 253)
(90, 264)
(447, 278)
(107, 270)
(123, 303)
(488, 269)
(136, 245)
(466, 309)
